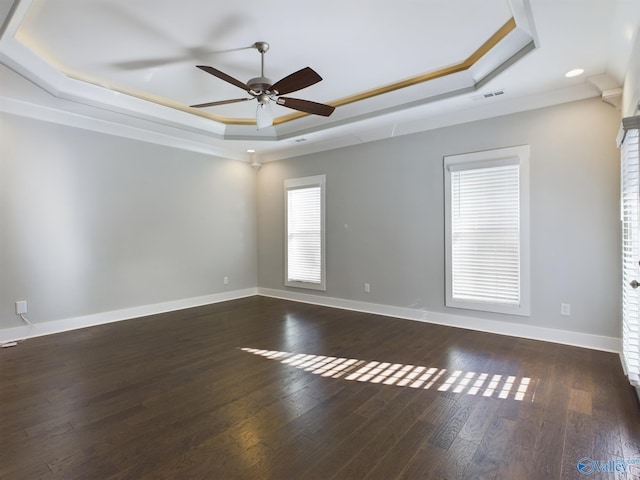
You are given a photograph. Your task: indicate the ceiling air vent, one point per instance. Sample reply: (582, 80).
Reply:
(488, 95)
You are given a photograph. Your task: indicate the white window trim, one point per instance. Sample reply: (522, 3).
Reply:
(312, 181)
(488, 158)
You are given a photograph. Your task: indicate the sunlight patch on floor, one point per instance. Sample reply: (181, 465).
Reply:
(401, 375)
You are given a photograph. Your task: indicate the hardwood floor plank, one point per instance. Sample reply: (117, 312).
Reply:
(446, 432)
(580, 401)
(579, 443)
(453, 464)
(379, 443)
(527, 426)
(606, 434)
(399, 454)
(516, 463)
(479, 420)
(548, 450)
(487, 459)
(425, 460)
(25, 470)
(341, 450)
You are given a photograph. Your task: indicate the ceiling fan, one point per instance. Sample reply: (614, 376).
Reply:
(265, 92)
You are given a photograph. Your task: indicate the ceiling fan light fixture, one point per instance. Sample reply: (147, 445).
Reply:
(264, 114)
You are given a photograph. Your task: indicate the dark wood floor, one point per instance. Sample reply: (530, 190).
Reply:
(267, 389)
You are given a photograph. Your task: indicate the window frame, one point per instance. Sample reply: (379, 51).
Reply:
(485, 159)
(629, 145)
(299, 183)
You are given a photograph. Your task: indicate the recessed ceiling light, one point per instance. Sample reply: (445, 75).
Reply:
(250, 150)
(574, 73)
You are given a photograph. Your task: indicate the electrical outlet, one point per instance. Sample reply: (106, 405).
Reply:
(21, 307)
(225, 280)
(565, 309)
(367, 288)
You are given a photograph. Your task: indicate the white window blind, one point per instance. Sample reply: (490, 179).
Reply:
(487, 233)
(305, 232)
(485, 222)
(630, 209)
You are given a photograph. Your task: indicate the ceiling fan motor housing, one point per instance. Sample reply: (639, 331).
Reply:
(260, 84)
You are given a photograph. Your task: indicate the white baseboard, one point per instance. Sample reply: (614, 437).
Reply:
(595, 342)
(585, 340)
(57, 326)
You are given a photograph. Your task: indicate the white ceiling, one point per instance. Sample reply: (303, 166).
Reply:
(135, 61)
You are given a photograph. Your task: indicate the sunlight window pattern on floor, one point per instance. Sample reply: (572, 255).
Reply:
(409, 376)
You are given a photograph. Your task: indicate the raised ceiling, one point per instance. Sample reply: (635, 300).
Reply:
(390, 67)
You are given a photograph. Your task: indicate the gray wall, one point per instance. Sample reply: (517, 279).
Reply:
(385, 215)
(92, 222)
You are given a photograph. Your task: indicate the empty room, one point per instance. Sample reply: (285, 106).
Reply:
(337, 240)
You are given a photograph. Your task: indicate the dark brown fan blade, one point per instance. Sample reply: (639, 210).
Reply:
(222, 102)
(306, 106)
(225, 77)
(296, 81)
